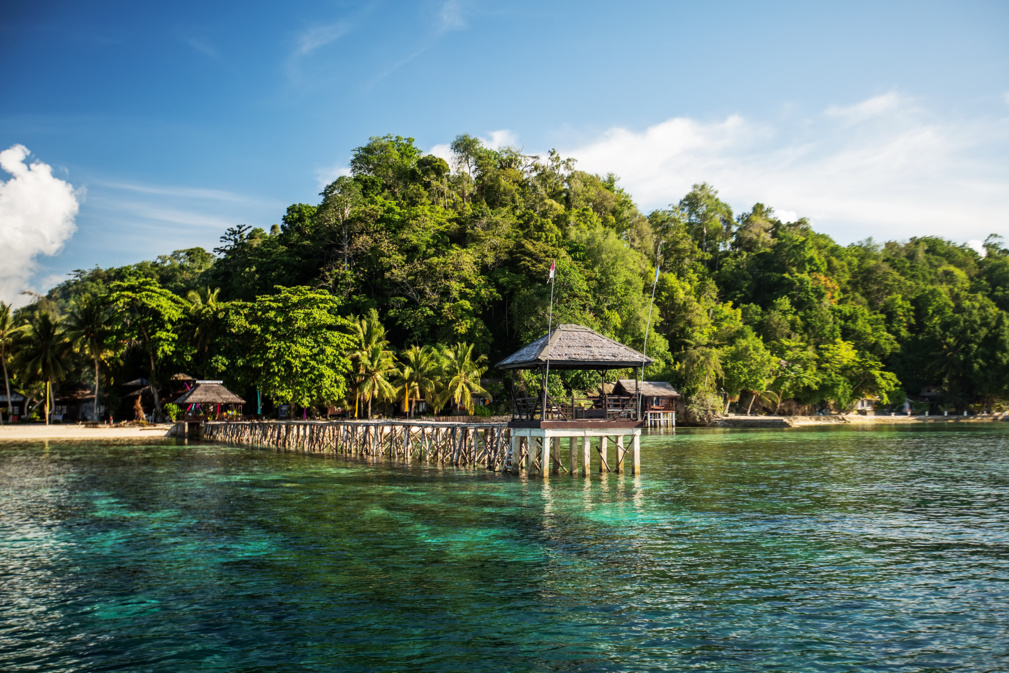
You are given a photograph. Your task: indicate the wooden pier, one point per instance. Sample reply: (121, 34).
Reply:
(491, 446)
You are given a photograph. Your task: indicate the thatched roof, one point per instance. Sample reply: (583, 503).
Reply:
(137, 383)
(209, 392)
(182, 377)
(574, 347)
(648, 388)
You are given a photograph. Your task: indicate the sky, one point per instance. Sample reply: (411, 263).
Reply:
(129, 130)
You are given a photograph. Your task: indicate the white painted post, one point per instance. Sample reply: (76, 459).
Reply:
(545, 467)
(619, 462)
(586, 455)
(604, 463)
(636, 451)
(573, 455)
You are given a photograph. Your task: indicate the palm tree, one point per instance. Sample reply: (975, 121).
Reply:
(9, 332)
(462, 376)
(376, 367)
(88, 333)
(368, 334)
(418, 375)
(45, 352)
(204, 310)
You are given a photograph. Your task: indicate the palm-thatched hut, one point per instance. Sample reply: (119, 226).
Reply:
(540, 424)
(658, 400)
(209, 395)
(575, 347)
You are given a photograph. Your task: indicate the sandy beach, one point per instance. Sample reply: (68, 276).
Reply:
(20, 431)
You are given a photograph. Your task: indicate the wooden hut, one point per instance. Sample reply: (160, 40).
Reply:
(539, 423)
(14, 409)
(575, 347)
(207, 397)
(658, 400)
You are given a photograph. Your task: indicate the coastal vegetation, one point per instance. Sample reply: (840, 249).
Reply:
(412, 274)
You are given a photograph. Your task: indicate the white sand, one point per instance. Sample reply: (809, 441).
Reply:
(20, 431)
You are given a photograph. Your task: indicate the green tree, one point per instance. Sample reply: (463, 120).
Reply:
(419, 372)
(148, 316)
(748, 366)
(45, 353)
(88, 332)
(461, 376)
(9, 333)
(296, 345)
(375, 368)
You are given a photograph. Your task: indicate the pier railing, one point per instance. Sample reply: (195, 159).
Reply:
(574, 408)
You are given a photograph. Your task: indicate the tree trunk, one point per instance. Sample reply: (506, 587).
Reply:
(156, 413)
(753, 396)
(49, 390)
(369, 408)
(94, 407)
(3, 360)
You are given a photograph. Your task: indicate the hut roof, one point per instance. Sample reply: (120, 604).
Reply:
(182, 377)
(137, 383)
(76, 394)
(209, 392)
(648, 388)
(574, 347)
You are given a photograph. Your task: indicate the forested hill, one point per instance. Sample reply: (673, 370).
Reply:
(745, 303)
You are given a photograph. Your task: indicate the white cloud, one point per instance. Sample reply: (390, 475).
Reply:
(495, 141)
(977, 246)
(325, 176)
(37, 213)
(451, 16)
(880, 168)
(202, 46)
(319, 36)
(867, 109)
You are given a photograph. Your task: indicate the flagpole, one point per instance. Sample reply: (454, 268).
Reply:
(550, 320)
(648, 327)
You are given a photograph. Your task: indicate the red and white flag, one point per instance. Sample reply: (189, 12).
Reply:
(553, 267)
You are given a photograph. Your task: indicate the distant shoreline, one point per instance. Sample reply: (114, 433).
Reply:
(845, 419)
(18, 431)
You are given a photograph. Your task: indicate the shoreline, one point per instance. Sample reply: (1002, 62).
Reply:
(845, 419)
(21, 432)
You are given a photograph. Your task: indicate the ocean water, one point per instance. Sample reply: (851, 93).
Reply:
(782, 550)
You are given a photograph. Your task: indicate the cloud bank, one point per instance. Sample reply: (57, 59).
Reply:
(884, 167)
(37, 213)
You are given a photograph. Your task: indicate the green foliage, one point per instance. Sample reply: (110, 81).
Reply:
(295, 345)
(433, 252)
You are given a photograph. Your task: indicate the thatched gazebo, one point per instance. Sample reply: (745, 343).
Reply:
(571, 347)
(210, 393)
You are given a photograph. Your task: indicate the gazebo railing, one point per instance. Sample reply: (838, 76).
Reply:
(574, 408)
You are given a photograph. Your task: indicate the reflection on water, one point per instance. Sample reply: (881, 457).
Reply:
(821, 550)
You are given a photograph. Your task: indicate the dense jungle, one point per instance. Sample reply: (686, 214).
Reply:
(412, 275)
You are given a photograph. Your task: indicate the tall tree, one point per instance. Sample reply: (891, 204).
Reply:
(88, 332)
(45, 353)
(461, 374)
(376, 370)
(148, 317)
(419, 375)
(295, 345)
(9, 332)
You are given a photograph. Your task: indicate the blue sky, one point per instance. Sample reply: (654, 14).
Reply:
(165, 124)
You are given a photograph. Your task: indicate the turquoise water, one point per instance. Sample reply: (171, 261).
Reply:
(785, 550)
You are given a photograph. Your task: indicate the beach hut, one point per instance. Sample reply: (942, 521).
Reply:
(658, 400)
(14, 409)
(209, 395)
(538, 424)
